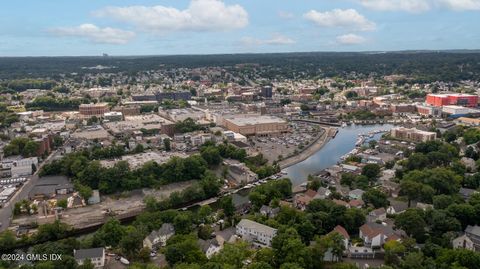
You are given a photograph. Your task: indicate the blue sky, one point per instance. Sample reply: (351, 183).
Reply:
(148, 27)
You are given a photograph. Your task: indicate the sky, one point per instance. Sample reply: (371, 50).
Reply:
(166, 27)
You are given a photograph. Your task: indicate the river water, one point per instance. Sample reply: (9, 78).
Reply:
(330, 154)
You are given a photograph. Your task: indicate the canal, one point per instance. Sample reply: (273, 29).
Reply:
(330, 153)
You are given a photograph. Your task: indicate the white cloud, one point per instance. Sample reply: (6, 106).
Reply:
(413, 6)
(96, 34)
(460, 5)
(275, 40)
(350, 39)
(418, 6)
(201, 15)
(347, 18)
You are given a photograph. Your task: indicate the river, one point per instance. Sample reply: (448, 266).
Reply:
(330, 154)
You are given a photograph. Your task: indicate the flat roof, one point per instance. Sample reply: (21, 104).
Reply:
(252, 120)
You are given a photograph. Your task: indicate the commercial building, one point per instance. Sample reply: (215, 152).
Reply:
(458, 99)
(459, 111)
(428, 110)
(160, 96)
(113, 116)
(468, 121)
(18, 166)
(256, 232)
(150, 123)
(412, 134)
(90, 110)
(266, 92)
(250, 125)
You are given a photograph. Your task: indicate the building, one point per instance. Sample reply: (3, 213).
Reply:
(113, 116)
(18, 166)
(240, 172)
(412, 134)
(159, 238)
(428, 110)
(375, 234)
(209, 247)
(464, 242)
(266, 92)
(256, 125)
(458, 99)
(468, 121)
(256, 232)
(356, 194)
(89, 110)
(51, 186)
(473, 234)
(95, 255)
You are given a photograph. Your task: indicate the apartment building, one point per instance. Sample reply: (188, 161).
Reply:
(89, 110)
(256, 232)
(412, 134)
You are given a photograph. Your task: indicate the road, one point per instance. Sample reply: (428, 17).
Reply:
(7, 210)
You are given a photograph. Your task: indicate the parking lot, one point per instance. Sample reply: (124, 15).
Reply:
(286, 145)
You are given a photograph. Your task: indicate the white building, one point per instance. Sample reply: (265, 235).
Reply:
(95, 255)
(18, 166)
(256, 232)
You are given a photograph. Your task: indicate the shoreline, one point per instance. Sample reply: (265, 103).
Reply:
(309, 151)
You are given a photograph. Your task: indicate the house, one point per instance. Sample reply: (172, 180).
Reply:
(466, 193)
(356, 194)
(375, 235)
(209, 247)
(95, 255)
(424, 206)
(301, 200)
(473, 232)
(346, 237)
(256, 232)
(241, 203)
(379, 214)
(356, 203)
(269, 212)
(322, 193)
(464, 242)
(397, 207)
(159, 237)
(341, 203)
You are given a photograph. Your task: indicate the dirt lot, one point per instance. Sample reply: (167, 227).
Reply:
(125, 204)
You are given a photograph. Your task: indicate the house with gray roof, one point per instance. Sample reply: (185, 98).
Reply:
(473, 232)
(209, 247)
(159, 237)
(95, 255)
(255, 232)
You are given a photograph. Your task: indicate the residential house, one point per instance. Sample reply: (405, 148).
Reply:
(379, 214)
(375, 235)
(159, 238)
(466, 193)
(424, 206)
(346, 237)
(397, 207)
(302, 200)
(341, 203)
(322, 193)
(473, 232)
(95, 255)
(356, 203)
(464, 242)
(356, 194)
(241, 203)
(209, 247)
(269, 212)
(256, 232)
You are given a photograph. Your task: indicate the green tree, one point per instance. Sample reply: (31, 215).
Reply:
(376, 198)
(371, 171)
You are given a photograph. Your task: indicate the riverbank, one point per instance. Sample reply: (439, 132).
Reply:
(308, 151)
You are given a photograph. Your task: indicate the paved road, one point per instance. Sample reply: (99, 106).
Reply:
(7, 210)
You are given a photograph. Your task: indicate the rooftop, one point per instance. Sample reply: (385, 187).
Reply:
(249, 224)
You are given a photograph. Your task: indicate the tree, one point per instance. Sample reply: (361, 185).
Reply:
(212, 155)
(393, 251)
(131, 242)
(109, 234)
(376, 198)
(183, 223)
(413, 223)
(62, 203)
(226, 203)
(184, 249)
(371, 171)
(166, 144)
(232, 255)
